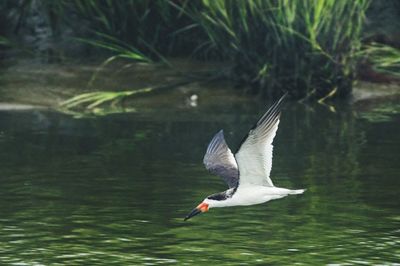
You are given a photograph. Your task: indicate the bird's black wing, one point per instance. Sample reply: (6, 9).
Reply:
(220, 161)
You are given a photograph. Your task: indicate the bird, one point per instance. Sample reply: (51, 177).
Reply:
(247, 172)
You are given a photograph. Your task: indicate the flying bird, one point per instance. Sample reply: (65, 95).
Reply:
(247, 173)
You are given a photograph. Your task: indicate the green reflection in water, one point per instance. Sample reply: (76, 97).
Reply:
(382, 113)
(114, 190)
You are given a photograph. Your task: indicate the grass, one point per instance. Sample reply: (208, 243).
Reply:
(141, 31)
(147, 26)
(94, 99)
(107, 102)
(119, 50)
(383, 58)
(309, 48)
(305, 47)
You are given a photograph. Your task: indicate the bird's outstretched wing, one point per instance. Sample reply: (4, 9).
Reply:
(219, 160)
(254, 156)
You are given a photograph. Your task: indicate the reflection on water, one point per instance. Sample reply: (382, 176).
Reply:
(114, 190)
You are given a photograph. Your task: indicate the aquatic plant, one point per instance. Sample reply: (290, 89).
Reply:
(94, 99)
(99, 102)
(308, 48)
(147, 26)
(383, 58)
(305, 47)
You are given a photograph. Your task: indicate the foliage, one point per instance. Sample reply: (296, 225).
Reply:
(308, 48)
(94, 102)
(305, 47)
(94, 99)
(384, 58)
(148, 26)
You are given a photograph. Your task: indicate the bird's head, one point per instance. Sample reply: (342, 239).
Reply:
(202, 207)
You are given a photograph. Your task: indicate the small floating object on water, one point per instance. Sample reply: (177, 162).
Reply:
(192, 101)
(247, 173)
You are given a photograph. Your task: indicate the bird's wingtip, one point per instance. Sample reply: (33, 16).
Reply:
(283, 96)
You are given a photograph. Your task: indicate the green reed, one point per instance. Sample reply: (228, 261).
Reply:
(147, 27)
(383, 58)
(306, 47)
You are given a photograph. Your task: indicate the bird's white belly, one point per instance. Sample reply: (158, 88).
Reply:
(251, 195)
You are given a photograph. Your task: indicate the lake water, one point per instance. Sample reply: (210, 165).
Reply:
(113, 190)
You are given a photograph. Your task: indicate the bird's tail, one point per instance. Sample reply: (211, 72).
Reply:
(297, 191)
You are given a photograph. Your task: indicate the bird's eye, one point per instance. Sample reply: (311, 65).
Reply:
(217, 196)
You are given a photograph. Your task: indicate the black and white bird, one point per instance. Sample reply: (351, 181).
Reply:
(247, 173)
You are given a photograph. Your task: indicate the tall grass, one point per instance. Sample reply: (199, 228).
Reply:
(95, 102)
(147, 25)
(306, 47)
(309, 48)
(383, 58)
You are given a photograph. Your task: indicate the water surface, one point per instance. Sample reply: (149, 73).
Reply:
(114, 190)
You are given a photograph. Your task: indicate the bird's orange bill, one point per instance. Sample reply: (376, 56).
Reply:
(203, 207)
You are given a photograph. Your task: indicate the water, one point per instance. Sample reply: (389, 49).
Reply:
(114, 190)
